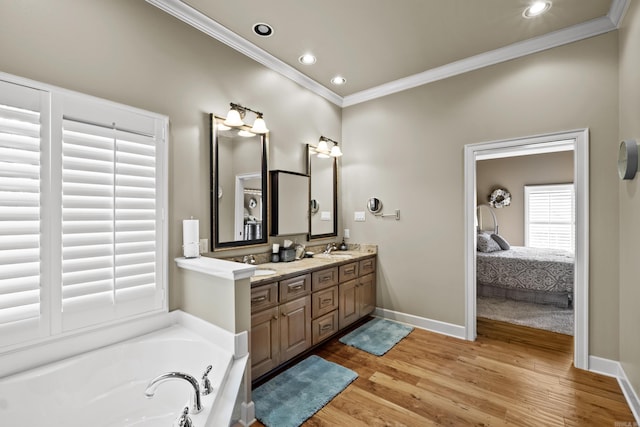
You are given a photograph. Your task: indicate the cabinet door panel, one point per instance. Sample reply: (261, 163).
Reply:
(322, 302)
(324, 278)
(325, 326)
(264, 296)
(295, 287)
(265, 342)
(366, 294)
(348, 310)
(295, 327)
(348, 272)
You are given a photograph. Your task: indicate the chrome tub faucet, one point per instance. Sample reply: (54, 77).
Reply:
(195, 403)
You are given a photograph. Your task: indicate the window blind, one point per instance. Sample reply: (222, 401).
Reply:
(20, 217)
(550, 216)
(109, 220)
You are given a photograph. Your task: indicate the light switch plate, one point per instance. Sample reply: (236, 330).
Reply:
(359, 216)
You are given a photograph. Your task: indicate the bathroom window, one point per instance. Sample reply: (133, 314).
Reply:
(82, 199)
(550, 216)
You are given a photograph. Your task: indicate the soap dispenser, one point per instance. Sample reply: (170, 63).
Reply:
(343, 246)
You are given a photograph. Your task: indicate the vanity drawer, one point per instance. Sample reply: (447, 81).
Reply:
(324, 327)
(348, 271)
(264, 296)
(295, 287)
(324, 301)
(324, 278)
(367, 266)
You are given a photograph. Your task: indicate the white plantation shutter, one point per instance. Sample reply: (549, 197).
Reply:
(550, 216)
(110, 238)
(20, 214)
(82, 198)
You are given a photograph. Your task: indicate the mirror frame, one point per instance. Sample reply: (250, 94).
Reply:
(214, 184)
(311, 152)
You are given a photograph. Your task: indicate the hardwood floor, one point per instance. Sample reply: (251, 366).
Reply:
(511, 375)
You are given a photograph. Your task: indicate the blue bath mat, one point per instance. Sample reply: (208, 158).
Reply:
(293, 396)
(377, 336)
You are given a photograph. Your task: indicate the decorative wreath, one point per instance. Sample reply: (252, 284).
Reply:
(499, 198)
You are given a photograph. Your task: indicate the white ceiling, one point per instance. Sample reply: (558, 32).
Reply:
(383, 46)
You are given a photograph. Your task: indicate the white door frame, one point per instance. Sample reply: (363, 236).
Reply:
(581, 274)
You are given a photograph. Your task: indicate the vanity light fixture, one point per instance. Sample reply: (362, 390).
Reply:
(237, 113)
(536, 8)
(323, 148)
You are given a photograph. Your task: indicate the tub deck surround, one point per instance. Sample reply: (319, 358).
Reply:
(105, 387)
(217, 267)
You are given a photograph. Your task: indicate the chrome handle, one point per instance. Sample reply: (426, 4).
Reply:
(206, 384)
(326, 328)
(327, 301)
(296, 287)
(258, 299)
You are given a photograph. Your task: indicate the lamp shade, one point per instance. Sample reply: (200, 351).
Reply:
(335, 151)
(259, 126)
(233, 118)
(322, 147)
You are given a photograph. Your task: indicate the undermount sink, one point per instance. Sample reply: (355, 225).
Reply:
(333, 256)
(263, 272)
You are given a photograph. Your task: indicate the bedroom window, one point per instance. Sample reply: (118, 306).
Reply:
(82, 199)
(550, 216)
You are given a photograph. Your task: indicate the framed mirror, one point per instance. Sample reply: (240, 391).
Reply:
(239, 186)
(323, 195)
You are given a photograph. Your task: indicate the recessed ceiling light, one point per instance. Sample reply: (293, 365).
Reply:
(262, 29)
(536, 8)
(338, 80)
(307, 59)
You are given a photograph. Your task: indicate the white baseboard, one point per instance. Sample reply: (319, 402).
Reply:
(444, 328)
(614, 369)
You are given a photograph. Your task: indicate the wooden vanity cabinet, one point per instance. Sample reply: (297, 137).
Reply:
(358, 295)
(291, 315)
(280, 322)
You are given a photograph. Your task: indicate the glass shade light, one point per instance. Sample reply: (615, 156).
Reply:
(335, 151)
(259, 126)
(233, 118)
(245, 133)
(323, 149)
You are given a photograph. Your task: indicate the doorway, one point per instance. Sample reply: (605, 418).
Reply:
(579, 139)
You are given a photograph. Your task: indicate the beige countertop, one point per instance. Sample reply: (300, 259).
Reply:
(283, 270)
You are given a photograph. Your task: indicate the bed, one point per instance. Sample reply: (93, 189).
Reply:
(538, 275)
(543, 276)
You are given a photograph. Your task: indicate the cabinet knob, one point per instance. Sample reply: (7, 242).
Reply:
(275, 317)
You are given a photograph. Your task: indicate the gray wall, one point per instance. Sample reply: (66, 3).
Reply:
(407, 149)
(630, 199)
(513, 173)
(131, 52)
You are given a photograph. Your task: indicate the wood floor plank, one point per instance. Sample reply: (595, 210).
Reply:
(511, 375)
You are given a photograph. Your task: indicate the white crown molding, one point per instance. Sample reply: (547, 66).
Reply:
(617, 11)
(561, 37)
(537, 44)
(213, 29)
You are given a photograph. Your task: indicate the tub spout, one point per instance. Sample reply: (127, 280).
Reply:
(196, 405)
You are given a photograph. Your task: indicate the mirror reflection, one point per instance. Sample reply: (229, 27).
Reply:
(238, 186)
(322, 195)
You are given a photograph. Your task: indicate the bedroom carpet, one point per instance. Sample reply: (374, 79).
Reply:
(538, 316)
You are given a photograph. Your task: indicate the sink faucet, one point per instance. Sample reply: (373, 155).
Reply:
(330, 247)
(249, 259)
(196, 405)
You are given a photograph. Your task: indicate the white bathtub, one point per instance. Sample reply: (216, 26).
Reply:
(105, 387)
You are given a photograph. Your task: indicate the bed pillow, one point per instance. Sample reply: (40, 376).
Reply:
(486, 243)
(504, 245)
